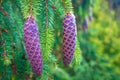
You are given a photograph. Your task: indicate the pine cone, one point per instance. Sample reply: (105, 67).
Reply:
(85, 24)
(32, 43)
(90, 14)
(69, 38)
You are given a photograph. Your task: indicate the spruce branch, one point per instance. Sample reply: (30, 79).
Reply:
(1, 2)
(4, 43)
(67, 5)
(46, 9)
(47, 35)
(4, 12)
(13, 38)
(78, 55)
(58, 9)
(13, 66)
(5, 53)
(29, 7)
(10, 32)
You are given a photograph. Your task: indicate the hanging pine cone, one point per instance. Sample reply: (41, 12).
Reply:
(90, 14)
(69, 38)
(32, 43)
(85, 24)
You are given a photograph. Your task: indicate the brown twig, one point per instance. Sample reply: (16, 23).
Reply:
(63, 2)
(30, 7)
(13, 68)
(46, 8)
(53, 6)
(29, 77)
(4, 12)
(1, 2)
(4, 44)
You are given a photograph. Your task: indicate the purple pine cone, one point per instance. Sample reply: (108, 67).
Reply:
(85, 24)
(69, 38)
(90, 17)
(90, 14)
(32, 43)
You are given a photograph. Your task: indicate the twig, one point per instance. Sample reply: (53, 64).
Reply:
(4, 44)
(1, 2)
(4, 12)
(63, 2)
(46, 8)
(13, 68)
(30, 7)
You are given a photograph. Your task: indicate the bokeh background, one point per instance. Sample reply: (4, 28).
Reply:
(97, 56)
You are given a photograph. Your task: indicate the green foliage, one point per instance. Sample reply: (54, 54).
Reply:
(106, 37)
(47, 31)
(67, 5)
(98, 45)
(97, 50)
(26, 6)
(77, 55)
(47, 38)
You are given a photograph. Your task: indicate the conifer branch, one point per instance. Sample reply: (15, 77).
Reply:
(78, 56)
(46, 9)
(67, 5)
(4, 12)
(47, 36)
(4, 43)
(1, 2)
(13, 66)
(30, 7)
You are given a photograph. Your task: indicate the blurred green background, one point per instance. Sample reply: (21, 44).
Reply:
(97, 56)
